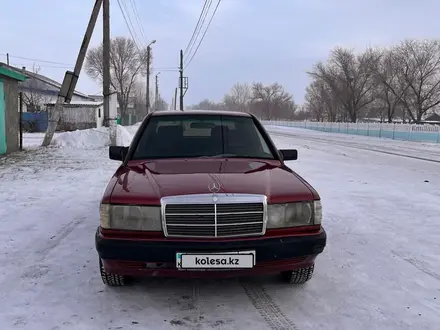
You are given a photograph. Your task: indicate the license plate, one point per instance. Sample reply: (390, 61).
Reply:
(224, 260)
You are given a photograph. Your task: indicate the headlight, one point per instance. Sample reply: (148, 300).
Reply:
(130, 217)
(294, 214)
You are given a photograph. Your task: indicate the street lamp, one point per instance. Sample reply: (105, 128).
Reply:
(148, 75)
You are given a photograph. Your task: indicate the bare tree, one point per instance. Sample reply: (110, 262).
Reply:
(268, 102)
(207, 105)
(314, 102)
(139, 99)
(126, 64)
(321, 102)
(139, 102)
(34, 95)
(238, 97)
(387, 93)
(160, 104)
(418, 76)
(272, 102)
(350, 78)
(303, 113)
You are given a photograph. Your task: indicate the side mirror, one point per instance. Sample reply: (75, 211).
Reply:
(117, 153)
(289, 154)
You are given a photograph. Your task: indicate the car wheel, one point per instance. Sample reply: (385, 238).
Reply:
(298, 276)
(111, 279)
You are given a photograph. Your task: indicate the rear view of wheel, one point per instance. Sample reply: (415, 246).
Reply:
(298, 276)
(111, 279)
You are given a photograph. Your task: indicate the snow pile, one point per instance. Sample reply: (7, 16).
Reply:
(32, 140)
(94, 138)
(123, 136)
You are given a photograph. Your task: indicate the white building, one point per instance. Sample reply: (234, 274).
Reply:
(39, 90)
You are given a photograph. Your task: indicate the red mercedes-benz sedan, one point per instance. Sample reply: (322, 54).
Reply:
(207, 193)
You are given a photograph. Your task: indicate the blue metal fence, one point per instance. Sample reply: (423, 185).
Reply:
(407, 132)
(35, 121)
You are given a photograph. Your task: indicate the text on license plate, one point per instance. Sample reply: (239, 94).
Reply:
(242, 259)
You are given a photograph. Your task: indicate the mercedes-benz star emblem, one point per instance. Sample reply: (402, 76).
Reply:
(214, 187)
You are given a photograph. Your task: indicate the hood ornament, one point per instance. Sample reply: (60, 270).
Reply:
(214, 187)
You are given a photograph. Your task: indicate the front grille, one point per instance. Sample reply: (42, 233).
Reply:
(223, 216)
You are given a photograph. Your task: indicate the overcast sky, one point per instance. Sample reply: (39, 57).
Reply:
(249, 40)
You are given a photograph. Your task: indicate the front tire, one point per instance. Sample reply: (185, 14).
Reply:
(298, 276)
(111, 279)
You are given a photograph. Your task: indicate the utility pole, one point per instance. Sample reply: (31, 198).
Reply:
(147, 100)
(71, 78)
(175, 98)
(181, 80)
(106, 60)
(7, 58)
(156, 94)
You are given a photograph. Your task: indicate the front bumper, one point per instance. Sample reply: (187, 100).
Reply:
(130, 257)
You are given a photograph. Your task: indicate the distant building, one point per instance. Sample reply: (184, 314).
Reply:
(80, 115)
(97, 97)
(39, 90)
(432, 119)
(133, 113)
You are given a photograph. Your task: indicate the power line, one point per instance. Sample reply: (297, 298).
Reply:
(129, 19)
(36, 60)
(136, 14)
(128, 25)
(197, 25)
(69, 66)
(203, 36)
(166, 70)
(44, 66)
(200, 28)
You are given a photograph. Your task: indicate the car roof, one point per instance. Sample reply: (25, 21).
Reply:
(201, 112)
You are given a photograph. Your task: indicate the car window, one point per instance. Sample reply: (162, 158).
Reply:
(189, 136)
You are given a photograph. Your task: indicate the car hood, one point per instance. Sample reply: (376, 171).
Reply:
(147, 181)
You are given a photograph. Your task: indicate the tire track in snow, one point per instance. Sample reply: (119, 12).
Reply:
(184, 307)
(196, 302)
(33, 267)
(59, 236)
(420, 265)
(267, 308)
(189, 302)
(352, 146)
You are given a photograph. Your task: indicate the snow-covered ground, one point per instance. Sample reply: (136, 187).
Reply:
(380, 270)
(426, 150)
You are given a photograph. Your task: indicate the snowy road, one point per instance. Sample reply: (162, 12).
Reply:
(381, 269)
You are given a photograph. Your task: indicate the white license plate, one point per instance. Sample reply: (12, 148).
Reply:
(224, 260)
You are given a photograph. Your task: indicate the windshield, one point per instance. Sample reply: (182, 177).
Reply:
(205, 136)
